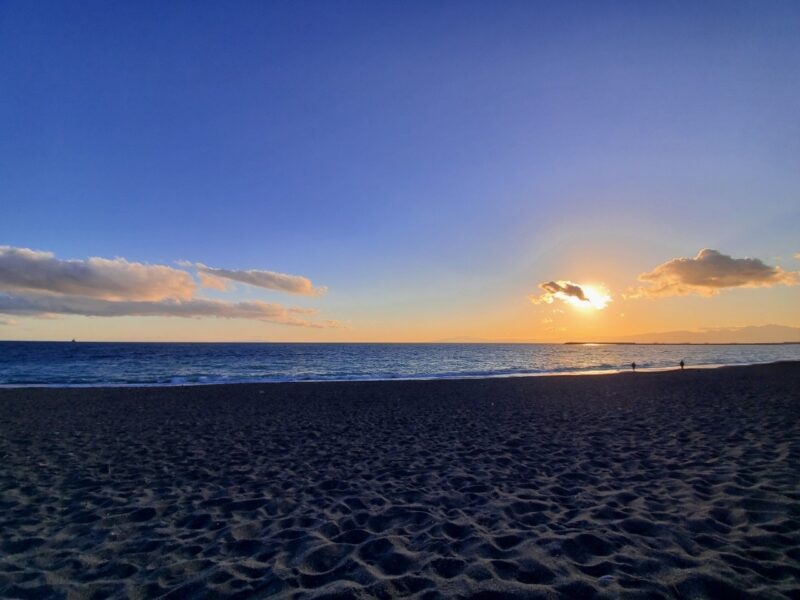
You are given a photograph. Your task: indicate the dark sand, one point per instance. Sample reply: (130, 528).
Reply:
(673, 484)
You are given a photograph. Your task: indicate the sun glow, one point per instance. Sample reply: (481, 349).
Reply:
(595, 298)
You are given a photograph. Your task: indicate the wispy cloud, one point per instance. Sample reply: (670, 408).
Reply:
(37, 284)
(293, 284)
(708, 273)
(213, 283)
(42, 303)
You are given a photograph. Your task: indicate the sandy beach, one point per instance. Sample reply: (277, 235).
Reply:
(653, 485)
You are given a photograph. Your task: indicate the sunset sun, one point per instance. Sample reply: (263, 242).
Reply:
(594, 298)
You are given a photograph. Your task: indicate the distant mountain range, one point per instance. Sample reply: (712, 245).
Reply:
(752, 334)
(735, 335)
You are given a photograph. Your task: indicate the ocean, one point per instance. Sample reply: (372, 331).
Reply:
(115, 364)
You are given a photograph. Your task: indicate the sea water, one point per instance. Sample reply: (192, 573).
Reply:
(88, 363)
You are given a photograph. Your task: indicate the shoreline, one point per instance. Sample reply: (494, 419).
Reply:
(457, 377)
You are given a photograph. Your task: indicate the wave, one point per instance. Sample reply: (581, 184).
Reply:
(208, 380)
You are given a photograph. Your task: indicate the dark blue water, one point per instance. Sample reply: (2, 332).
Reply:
(55, 363)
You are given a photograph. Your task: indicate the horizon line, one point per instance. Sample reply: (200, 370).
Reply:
(434, 342)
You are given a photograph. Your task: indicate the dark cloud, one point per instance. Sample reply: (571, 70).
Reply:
(559, 290)
(553, 288)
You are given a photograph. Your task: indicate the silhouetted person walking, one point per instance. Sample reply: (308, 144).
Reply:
(681, 365)
(633, 366)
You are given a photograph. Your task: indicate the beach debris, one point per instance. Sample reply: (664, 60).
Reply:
(606, 579)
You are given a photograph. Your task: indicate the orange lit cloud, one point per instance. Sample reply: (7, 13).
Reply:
(708, 273)
(292, 284)
(37, 284)
(211, 282)
(22, 269)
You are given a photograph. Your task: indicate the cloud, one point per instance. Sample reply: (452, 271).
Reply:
(561, 290)
(578, 295)
(7, 322)
(293, 284)
(708, 273)
(43, 303)
(22, 269)
(37, 284)
(211, 282)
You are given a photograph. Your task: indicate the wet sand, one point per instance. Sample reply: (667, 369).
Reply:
(653, 485)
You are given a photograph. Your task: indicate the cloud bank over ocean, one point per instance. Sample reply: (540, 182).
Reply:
(36, 283)
(25, 270)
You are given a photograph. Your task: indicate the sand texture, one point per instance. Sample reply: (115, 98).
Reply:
(653, 485)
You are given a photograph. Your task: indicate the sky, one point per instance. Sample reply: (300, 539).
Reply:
(407, 171)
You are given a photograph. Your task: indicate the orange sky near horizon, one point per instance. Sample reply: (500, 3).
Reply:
(512, 319)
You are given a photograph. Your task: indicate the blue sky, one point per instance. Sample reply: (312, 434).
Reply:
(419, 159)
